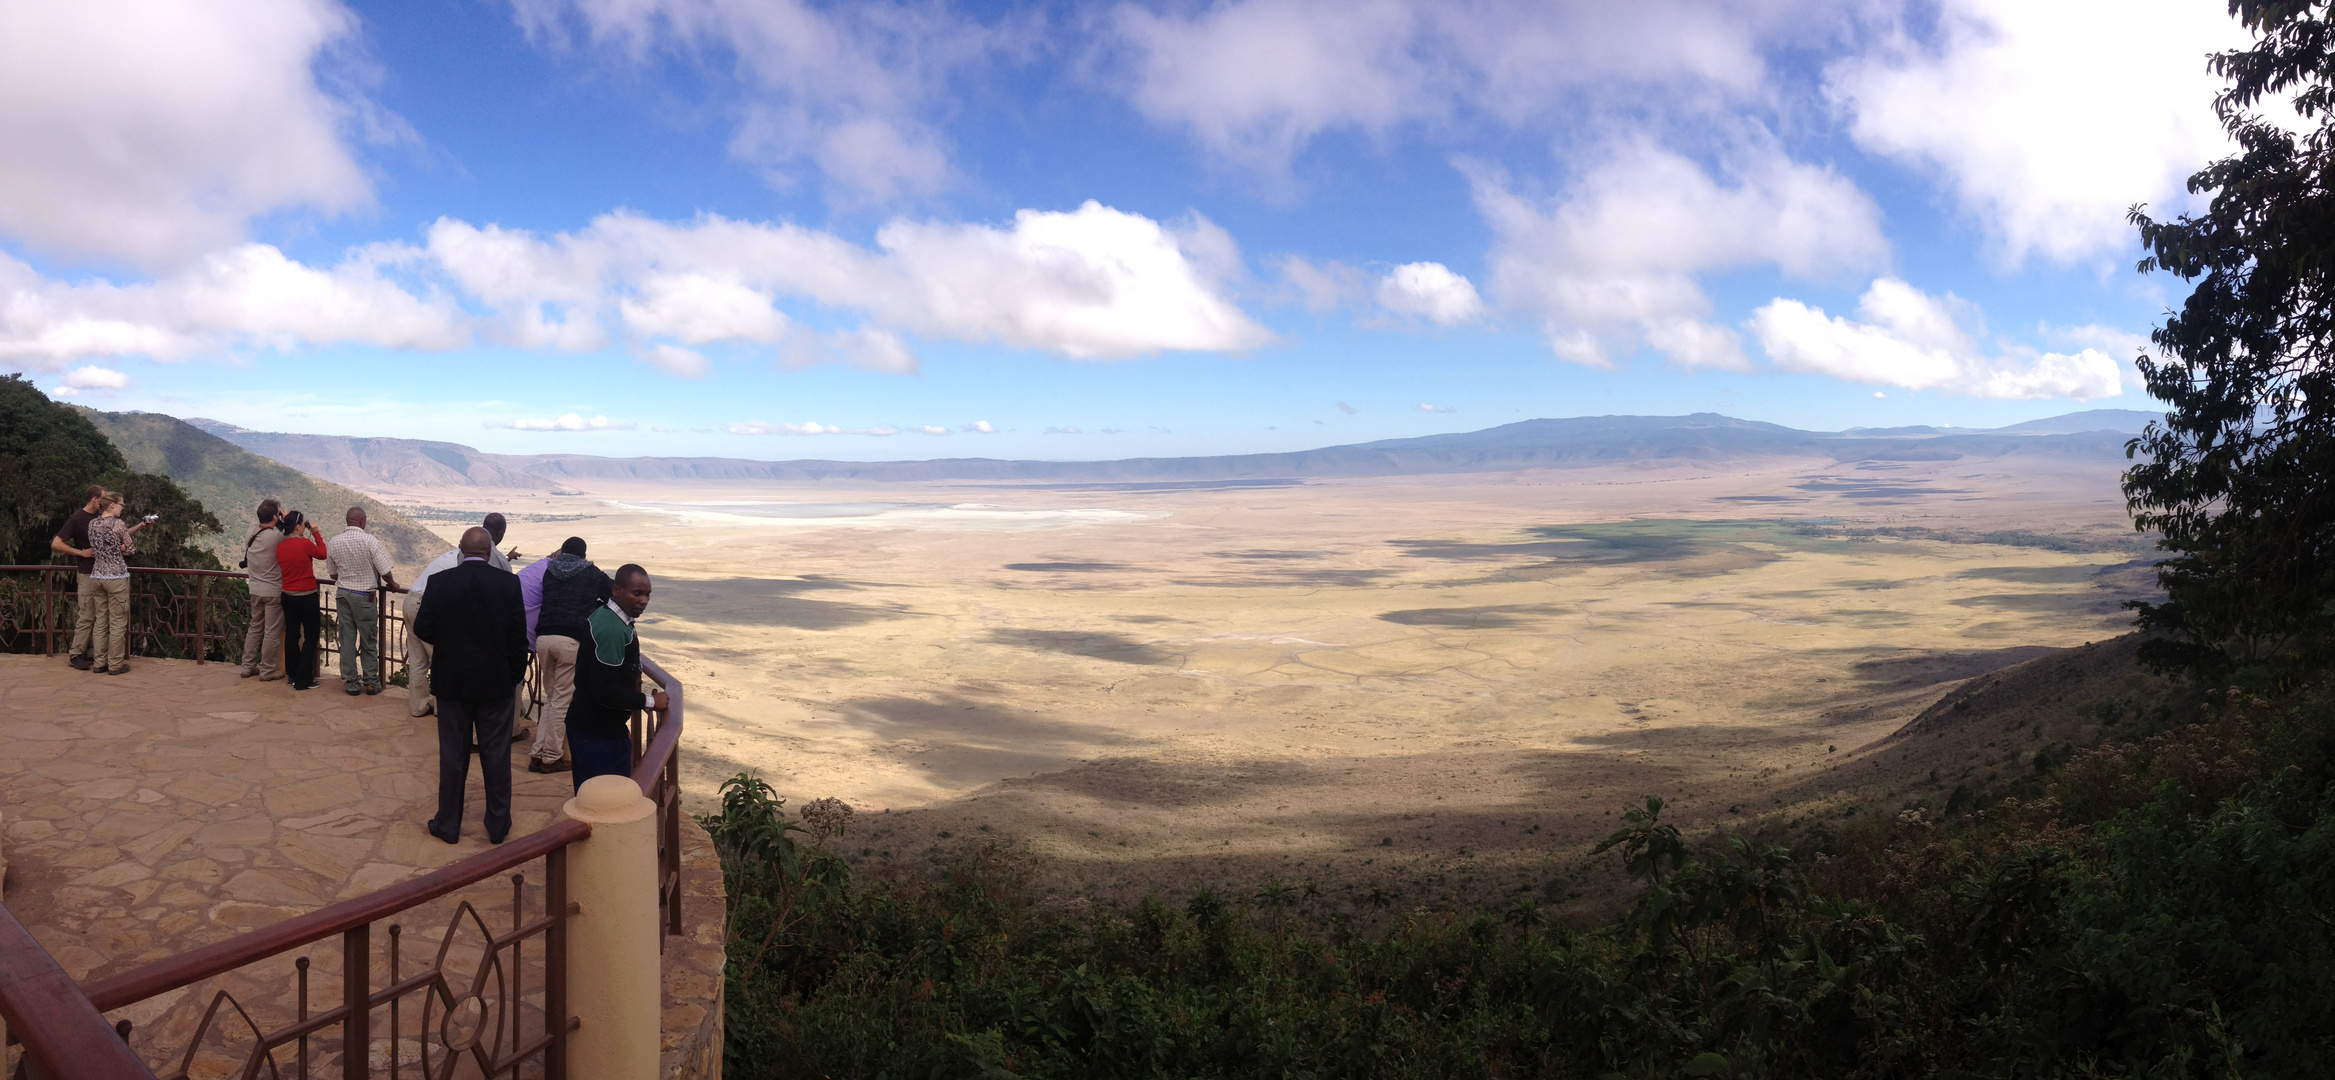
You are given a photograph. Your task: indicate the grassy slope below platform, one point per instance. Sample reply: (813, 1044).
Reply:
(230, 481)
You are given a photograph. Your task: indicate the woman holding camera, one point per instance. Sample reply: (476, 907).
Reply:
(111, 543)
(296, 557)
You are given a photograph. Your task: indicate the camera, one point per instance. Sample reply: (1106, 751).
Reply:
(152, 518)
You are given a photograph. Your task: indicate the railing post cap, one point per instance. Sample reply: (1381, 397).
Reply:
(609, 800)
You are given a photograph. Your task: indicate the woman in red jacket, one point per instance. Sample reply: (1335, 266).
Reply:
(303, 611)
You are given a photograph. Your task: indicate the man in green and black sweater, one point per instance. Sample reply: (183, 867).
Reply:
(608, 680)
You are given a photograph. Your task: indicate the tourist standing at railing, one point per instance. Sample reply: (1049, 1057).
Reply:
(73, 539)
(111, 543)
(476, 626)
(296, 558)
(418, 700)
(608, 682)
(562, 592)
(263, 638)
(359, 567)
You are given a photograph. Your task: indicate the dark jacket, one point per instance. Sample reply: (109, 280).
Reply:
(572, 587)
(476, 625)
(608, 676)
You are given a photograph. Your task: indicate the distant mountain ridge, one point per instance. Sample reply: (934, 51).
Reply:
(1528, 444)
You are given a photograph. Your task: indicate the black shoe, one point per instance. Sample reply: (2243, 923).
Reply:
(353, 689)
(492, 839)
(303, 686)
(80, 663)
(372, 688)
(432, 829)
(119, 669)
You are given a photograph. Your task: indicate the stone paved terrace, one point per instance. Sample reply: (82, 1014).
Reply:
(149, 813)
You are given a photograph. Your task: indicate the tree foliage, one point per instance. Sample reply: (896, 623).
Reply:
(50, 454)
(2235, 476)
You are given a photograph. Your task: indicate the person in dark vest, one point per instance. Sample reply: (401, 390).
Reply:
(608, 682)
(568, 590)
(476, 626)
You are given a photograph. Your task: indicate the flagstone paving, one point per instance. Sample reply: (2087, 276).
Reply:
(179, 804)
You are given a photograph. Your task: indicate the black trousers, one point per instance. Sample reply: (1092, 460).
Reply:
(460, 723)
(303, 633)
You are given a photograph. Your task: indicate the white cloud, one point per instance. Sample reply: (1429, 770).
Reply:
(982, 427)
(91, 379)
(566, 422)
(1064, 431)
(847, 88)
(1904, 337)
(250, 296)
(1430, 291)
(1615, 260)
(1093, 283)
(2047, 120)
(153, 132)
(1256, 81)
(1319, 287)
(764, 427)
(1425, 407)
(675, 360)
(929, 429)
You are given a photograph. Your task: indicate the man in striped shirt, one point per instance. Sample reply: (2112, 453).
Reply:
(359, 567)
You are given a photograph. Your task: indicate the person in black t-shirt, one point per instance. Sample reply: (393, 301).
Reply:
(73, 539)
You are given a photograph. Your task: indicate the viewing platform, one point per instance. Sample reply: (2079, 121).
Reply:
(179, 806)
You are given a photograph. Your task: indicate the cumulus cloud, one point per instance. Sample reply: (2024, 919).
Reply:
(248, 296)
(1256, 81)
(982, 427)
(2037, 117)
(1905, 337)
(764, 427)
(1429, 290)
(152, 133)
(1092, 283)
(91, 379)
(566, 422)
(847, 89)
(1614, 261)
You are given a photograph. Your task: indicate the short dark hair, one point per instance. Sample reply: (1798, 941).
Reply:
(267, 510)
(96, 491)
(627, 572)
(574, 546)
(494, 526)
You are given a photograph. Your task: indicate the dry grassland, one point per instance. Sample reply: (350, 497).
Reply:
(1427, 684)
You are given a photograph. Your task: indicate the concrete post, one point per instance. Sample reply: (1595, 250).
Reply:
(615, 985)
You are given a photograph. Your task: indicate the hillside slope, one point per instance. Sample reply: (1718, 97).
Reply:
(1587, 440)
(230, 481)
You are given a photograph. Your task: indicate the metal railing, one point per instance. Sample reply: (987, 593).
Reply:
(483, 1017)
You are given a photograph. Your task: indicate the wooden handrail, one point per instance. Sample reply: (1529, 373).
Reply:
(172, 972)
(668, 733)
(37, 996)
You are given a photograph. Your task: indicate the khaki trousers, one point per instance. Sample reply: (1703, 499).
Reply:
(556, 655)
(263, 640)
(418, 700)
(109, 645)
(84, 615)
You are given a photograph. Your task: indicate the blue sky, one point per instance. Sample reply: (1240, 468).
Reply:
(883, 230)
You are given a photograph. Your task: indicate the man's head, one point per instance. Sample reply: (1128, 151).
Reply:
(476, 543)
(268, 509)
(574, 545)
(93, 500)
(494, 526)
(355, 517)
(632, 589)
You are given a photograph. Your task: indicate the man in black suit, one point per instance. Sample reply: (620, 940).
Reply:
(476, 625)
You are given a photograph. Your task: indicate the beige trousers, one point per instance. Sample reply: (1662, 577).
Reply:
(556, 655)
(418, 701)
(84, 615)
(109, 642)
(263, 640)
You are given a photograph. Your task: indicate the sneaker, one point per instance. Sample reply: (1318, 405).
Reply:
(303, 686)
(80, 663)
